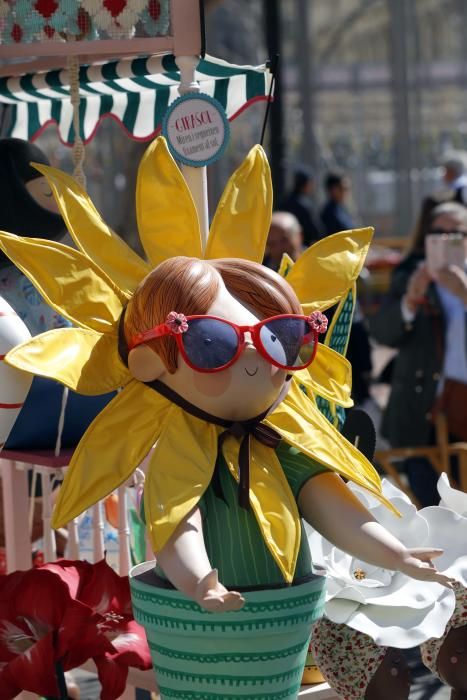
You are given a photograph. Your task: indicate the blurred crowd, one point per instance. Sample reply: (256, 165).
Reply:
(422, 315)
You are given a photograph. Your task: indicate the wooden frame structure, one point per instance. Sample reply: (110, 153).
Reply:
(438, 455)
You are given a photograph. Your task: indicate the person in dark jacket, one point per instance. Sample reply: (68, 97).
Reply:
(299, 204)
(334, 215)
(426, 320)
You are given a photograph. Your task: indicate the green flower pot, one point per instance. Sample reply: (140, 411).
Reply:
(257, 653)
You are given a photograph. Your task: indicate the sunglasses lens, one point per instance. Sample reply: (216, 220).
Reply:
(290, 342)
(209, 343)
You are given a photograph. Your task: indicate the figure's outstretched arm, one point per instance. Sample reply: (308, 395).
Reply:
(332, 509)
(185, 562)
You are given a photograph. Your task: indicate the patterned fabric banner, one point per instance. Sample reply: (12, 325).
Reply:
(30, 21)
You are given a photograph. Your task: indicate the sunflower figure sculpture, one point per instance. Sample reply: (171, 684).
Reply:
(218, 363)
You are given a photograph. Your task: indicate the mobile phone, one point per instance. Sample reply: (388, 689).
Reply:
(443, 249)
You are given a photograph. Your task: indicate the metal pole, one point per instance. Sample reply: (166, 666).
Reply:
(462, 28)
(271, 11)
(306, 65)
(415, 62)
(401, 114)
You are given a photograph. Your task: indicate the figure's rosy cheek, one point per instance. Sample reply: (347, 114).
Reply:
(214, 384)
(277, 376)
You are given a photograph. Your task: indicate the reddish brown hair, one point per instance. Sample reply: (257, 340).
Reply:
(189, 286)
(257, 287)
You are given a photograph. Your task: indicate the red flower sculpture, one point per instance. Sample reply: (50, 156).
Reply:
(66, 613)
(40, 625)
(107, 595)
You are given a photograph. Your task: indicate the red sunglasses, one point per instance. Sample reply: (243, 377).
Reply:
(211, 344)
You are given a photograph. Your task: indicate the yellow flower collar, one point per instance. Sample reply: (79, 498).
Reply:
(92, 285)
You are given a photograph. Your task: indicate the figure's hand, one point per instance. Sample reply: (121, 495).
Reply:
(417, 286)
(213, 596)
(417, 563)
(454, 279)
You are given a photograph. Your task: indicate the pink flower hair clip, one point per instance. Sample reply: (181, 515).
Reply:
(318, 322)
(176, 323)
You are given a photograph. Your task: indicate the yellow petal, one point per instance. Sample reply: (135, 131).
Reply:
(325, 271)
(302, 425)
(83, 360)
(300, 399)
(241, 223)
(91, 234)
(272, 501)
(331, 376)
(180, 470)
(167, 218)
(68, 280)
(302, 381)
(113, 446)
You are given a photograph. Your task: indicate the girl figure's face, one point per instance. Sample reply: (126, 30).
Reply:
(242, 391)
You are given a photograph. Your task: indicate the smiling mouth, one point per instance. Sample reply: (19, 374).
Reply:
(251, 374)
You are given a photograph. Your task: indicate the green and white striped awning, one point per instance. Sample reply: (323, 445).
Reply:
(134, 92)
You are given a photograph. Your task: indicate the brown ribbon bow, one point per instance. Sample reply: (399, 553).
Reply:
(242, 430)
(245, 430)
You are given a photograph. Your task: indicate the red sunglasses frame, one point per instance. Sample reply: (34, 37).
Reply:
(163, 329)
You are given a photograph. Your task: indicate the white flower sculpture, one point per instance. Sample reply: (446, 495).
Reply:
(393, 609)
(452, 498)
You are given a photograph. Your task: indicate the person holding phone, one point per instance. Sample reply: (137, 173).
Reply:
(424, 316)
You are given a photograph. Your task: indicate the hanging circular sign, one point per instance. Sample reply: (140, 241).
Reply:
(197, 129)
